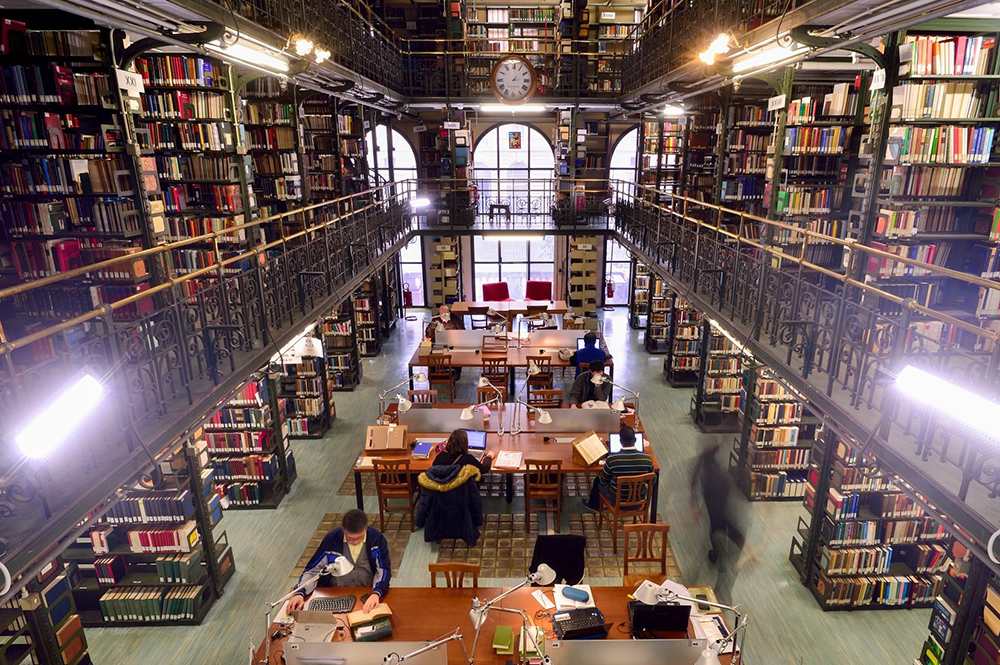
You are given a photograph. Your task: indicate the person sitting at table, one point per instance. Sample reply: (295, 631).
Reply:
(626, 462)
(444, 321)
(588, 354)
(450, 505)
(590, 385)
(364, 546)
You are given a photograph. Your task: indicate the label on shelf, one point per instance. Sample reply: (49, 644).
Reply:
(776, 103)
(878, 79)
(131, 82)
(452, 125)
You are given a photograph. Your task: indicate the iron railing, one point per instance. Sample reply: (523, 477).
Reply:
(167, 353)
(838, 339)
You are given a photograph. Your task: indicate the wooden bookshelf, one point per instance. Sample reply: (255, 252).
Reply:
(638, 302)
(659, 317)
(343, 352)
(366, 318)
(18, 642)
(748, 140)
(321, 147)
(661, 158)
(700, 156)
(390, 298)
(583, 271)
(302, 385)
(716, 400)
(683, 360)
(444, 271)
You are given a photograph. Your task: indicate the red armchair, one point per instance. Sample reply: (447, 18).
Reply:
(496, 291)
(538, 290)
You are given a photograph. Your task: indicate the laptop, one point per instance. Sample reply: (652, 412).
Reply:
(580, 343)
(658, 621)
(477, 443)
(615, 442)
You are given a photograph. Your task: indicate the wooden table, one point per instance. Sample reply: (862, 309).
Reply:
(531, 444)
(421, 614)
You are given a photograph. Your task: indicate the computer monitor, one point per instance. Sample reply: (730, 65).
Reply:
(477, 439)
(658, 621)
(580, 343)
(615, 442)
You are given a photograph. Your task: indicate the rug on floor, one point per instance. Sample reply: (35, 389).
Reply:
(492, 485)
(504, 549)
(397, 533)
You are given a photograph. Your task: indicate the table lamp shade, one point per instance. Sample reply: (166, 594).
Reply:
(420, 377)
(467, 413)
(708, 657)
(404, 404)
(542, 416)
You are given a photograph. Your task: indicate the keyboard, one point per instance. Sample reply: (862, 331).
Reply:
(337, 604)
(579, 624)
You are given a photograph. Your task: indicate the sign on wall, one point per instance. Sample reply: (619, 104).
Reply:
(514, 139)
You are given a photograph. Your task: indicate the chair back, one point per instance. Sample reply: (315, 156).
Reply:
(645, 550)
(538, 290)
(422, 397)
(546, 398)
(439, 367)
(541, 476)
(544, 376)
(392, 477)
(632, 493)
(477, 315)
(454, 574)
(575, 324)
(495, 369)
(535, 310)
(484, 394)
(496, 291)
(494, 345)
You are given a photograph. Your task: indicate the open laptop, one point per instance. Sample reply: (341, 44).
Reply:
(580, 343)
(615, 442)
(662, 620)
(477, 443)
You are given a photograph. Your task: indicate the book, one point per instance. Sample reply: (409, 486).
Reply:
(360, 617)
(527, 649)
(508, 459)
(503, 640)
(422, 449)
(589, 448)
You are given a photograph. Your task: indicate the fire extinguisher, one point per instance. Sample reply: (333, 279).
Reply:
(407, 296)
(610, 288)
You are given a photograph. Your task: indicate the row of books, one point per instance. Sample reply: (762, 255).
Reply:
(184, 105)
(237, 442)
(246, 417)
(67, 301)
(306, 406)
(874, 532)
(806, 109)
(853, 479)
(251, 467)
(195, 167)
(51, 84)
(170, 70)
(749, 116)
(742, 188)
(722, 365)
(84, 44)
(924, 181)
(49, 175)
(283, 188)
(269, 113)
(222, 198)
(101, 215)
(742, 163)
(944, 55)
(152, 507)
(741, 141)
(726, 384)
(886, 267)
(317, 122)
(110, 570)
(777, 484)
(767, 389)
(271, 164)
(241, 494)
(349, 124)
(780, 413)
(946, 144)
(180, 568)
(797, 200)
(217, 136)
(945, 100)
(38, 259)
(780, 458)
(856, 561)
(272, 138)
(149, 604)
(816, 140)
(899, 590)
(254, 393)
(182, 538)
(192, 227)
(774, 436)
(893, 222)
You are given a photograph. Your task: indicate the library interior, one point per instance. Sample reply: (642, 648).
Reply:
(295, 296)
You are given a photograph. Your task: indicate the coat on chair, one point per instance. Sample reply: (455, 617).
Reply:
(450, 505)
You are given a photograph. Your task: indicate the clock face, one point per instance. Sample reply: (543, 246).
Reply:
(513, 80)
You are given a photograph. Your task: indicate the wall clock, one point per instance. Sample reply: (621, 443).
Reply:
(513, 80)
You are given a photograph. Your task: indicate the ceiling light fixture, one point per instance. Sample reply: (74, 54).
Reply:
(719, 46)
(673, 110)
(322, 55)
(251, 53)
(510, 108)
(767, 56)
(303, 46)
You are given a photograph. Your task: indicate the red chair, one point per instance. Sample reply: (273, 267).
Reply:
(496, 291)
(538, 290)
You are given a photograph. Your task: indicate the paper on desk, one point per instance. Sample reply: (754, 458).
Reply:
(365, 462)
(564, 439)
(283, 616)
(563, 603)
(542, 599)
(712, 628)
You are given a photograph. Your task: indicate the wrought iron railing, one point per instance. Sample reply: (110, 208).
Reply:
(168, 352)
(839, 339)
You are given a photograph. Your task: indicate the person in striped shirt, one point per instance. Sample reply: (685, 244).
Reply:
(626, 462)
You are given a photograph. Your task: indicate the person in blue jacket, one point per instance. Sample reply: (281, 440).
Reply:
(588, 354)
(365, 547)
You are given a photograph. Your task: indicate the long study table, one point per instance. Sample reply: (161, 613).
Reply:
(422, 614)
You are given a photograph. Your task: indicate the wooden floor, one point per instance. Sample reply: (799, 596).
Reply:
(786, 625)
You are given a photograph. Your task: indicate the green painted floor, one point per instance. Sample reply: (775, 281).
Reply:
(786, 625)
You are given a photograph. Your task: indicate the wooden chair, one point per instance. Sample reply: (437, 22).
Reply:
(496, 370)
(494, 345)
(575, 324)
(454, 574)
(480, 321)
(485, 394)
(631, 501)
(393, 482)
(546, 398)
(645, 551)
(440, 372)
(542, 482)
(544, 377)
(422, 397)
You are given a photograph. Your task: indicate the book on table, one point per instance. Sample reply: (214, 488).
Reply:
(588, 449)
(508, 459)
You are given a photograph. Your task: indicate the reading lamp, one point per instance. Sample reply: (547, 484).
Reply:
(543, 575)
(338, 567)
(419, 377)
(469, 411)
(533, 369)
(619, 404)
(653, 594)
(404, 404)
(395, 659)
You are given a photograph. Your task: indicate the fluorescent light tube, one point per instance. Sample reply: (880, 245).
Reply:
(513, 236)
(767, 56)
(945, 397)
(673, 110)
(504, 108)
(246, 52)
(60, 418)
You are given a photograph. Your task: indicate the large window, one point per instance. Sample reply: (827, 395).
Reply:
(513, 261)
(617, 266)
(404, 161)
(623, 158)
(514, 165)
(411, 260)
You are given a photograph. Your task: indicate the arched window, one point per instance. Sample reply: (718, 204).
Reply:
(623, 158)
(404, 161)
(514, 165)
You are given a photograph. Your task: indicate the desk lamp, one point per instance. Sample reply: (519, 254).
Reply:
(395, 659)
(652, 594)
(533, 369)
(619, 404)
(419, 377)
(330, 564)
(468, 411)
(543, 575)
(404, 404)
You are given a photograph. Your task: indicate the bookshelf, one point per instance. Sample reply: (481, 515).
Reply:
(389, 289)
(583, 270)
(658, 321)
(683, 358)
(661, 160)
(748, 138)
(967, 587)
(443, 271)
(158, 557)
(716, 400)
(595, 140)
(302, 385)
(321, 148)
(495, 30)
(270, 115)
(18, 642)
(572, 30)
(245, 442)
(866, 545)
(343, 351)
(772, 455)
(614, 26)
(43, 624)
(366, 317)
(701, 158)
(351, 146)
(638, 304)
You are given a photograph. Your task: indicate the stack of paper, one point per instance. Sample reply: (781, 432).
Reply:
(527, 648)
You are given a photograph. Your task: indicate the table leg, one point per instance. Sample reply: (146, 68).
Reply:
(410, 370)
(655, 497)
(509, 488)
(359, 495)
